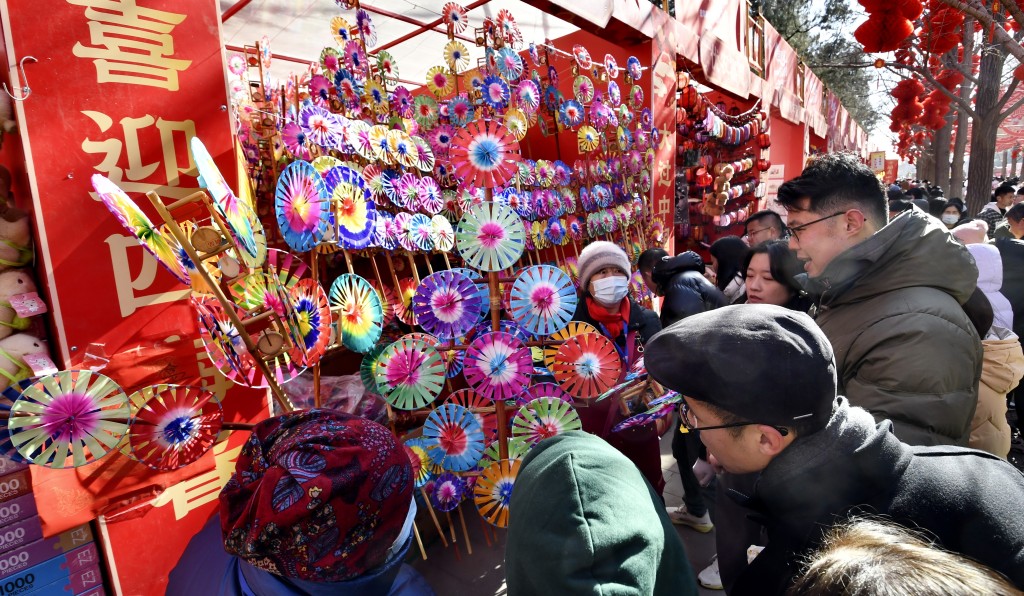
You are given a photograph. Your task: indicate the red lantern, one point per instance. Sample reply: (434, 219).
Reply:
(763, 165)
(764, 141)
(688, 98)
(703, 178)
(680, 115)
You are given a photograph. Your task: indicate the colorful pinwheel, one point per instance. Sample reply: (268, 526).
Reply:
(481, 408)
(439, 81)
(498, 365)
(162, 246)
(441, 233)
(495, 92)
(455, 439)
(312, 318)
(418, 233)
(403, 306)
(368, 368)
(409, 374)
(644, 417)
(539, 390)
(425, 111)
(614, 94)
(543, 299)
(460, 110)
(583, 88)
(571, 330)
(588, 139)
(423, 468)
(490, 237)
(517, 449)
(302, 206)
(456, 56)
(382, 231)
(586, 365)
(493, 491)
(528, 96)
(571, 113)
(174, 425)
(341, 30)
(633, 68)
(454, 16)
(75, 415)
(360, 314)
(481, 291)
(544, 418)
(448, 492)
(611, 66)
(510, 65)
(354, 213)
(447, 304)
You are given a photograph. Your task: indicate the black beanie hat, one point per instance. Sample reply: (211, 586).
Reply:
(761, 362)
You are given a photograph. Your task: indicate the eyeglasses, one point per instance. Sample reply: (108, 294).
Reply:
(794, 231)
(690, 426)
(752, 233)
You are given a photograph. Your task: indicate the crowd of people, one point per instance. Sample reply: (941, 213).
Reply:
(846, 376)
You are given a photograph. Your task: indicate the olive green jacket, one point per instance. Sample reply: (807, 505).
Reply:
(905, 350)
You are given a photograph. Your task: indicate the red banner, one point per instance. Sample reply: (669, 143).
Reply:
(892, 168)
(663, 107)
(814, 100)
(119, 88)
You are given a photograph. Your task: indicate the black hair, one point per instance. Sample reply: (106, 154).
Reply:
(730, 252)
(837, 181)
(1020, 190)
(895, 195)
(899, 205)
(769, 217)
(954, 202)
(1016, 212)
(649, 258)
(1003, 189)
(936, 205)
(979, 310)
(784, 267)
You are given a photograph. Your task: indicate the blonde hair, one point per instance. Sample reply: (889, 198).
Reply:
(871, 557)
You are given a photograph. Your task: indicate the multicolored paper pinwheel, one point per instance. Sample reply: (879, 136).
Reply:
(571, 330)
(7, 399)
(490, 237)
(302, 206)
(485, 153)
(544, 418)
(477, 404)
(455, 439)
(586, 365)
(498, 365)
(403, 305)
(173, 425)
(360, 314)
(539, 390)
(368, 368)
(518, 447)
(493, 491)
(447, 304)
(162, 246)
(75, 415)
(409, 374)
(448, 492)
(442, 234)
(543, 299)
(644, 417)
(227, 205)
(423, 468)
(312, 317)
(354, 213)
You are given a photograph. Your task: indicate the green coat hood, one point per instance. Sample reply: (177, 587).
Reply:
(582, 520)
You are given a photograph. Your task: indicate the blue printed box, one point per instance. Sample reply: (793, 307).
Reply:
(59, 568)
(40, 551)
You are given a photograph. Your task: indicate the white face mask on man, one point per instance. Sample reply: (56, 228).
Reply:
(609, 291)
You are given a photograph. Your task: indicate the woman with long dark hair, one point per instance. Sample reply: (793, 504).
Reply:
(727, 255)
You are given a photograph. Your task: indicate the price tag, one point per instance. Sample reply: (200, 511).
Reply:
(28, 304)
(40, 364)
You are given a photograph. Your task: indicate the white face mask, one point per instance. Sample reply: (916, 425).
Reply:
(610, 291)
(950, 219)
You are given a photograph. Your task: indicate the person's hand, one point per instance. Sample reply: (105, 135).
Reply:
(704, 472)
(711, 276)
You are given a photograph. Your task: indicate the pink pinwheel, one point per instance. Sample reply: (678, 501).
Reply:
(320, 126)
(485, 153)
(175, 426)
(544, 418)
(498, 366)
(455, 439)
(409, 374)
(543, 299)
(447, 304)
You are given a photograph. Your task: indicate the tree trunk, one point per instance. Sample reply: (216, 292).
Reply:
(926, 164)
(983, 139)
(940, 152)
(1006, 159)
(956, 178)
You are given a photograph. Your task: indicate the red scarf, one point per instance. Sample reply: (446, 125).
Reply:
(613, 321)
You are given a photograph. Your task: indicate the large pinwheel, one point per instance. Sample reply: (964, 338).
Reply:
(498, 365)
(312, 318)
(302, 205)
(368, 368)
(454, 16)
(586, 365)
(544, 418)
(490, 237)
(69, 418)
(162, 246)
(447, 304)
(448, 492)
(360, 314)
(174, 425)
(409, 374)
(485, 153)
(493, 491)
(455, 439)
(543, 299)
(354, 212)
(230, 208)
(481, 291)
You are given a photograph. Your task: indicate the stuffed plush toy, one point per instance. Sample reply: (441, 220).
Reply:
(12, 283)
(13, 350)
(15, 236)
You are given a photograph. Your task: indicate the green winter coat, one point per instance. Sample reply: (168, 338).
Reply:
(582, 520)
(905, 350)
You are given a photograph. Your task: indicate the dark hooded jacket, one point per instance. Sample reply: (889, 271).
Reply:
(681, 281)
(905, 350)
(967, 500)
(584, 521)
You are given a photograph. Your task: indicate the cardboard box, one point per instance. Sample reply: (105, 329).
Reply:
(80, 582)
(59, 568)
(15, 485)
(43, 550)
(9, 466)
(21, 533)
(18, 509)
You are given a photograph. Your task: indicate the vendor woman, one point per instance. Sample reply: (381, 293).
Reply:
(604, 279)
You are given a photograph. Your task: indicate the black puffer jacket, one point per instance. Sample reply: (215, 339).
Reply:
(681, 281)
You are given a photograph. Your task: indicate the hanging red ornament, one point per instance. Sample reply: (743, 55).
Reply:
(764, 140)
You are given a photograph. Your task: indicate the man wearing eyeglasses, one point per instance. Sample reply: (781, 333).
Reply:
(763, 226)
(759, 383)
(889, 299)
